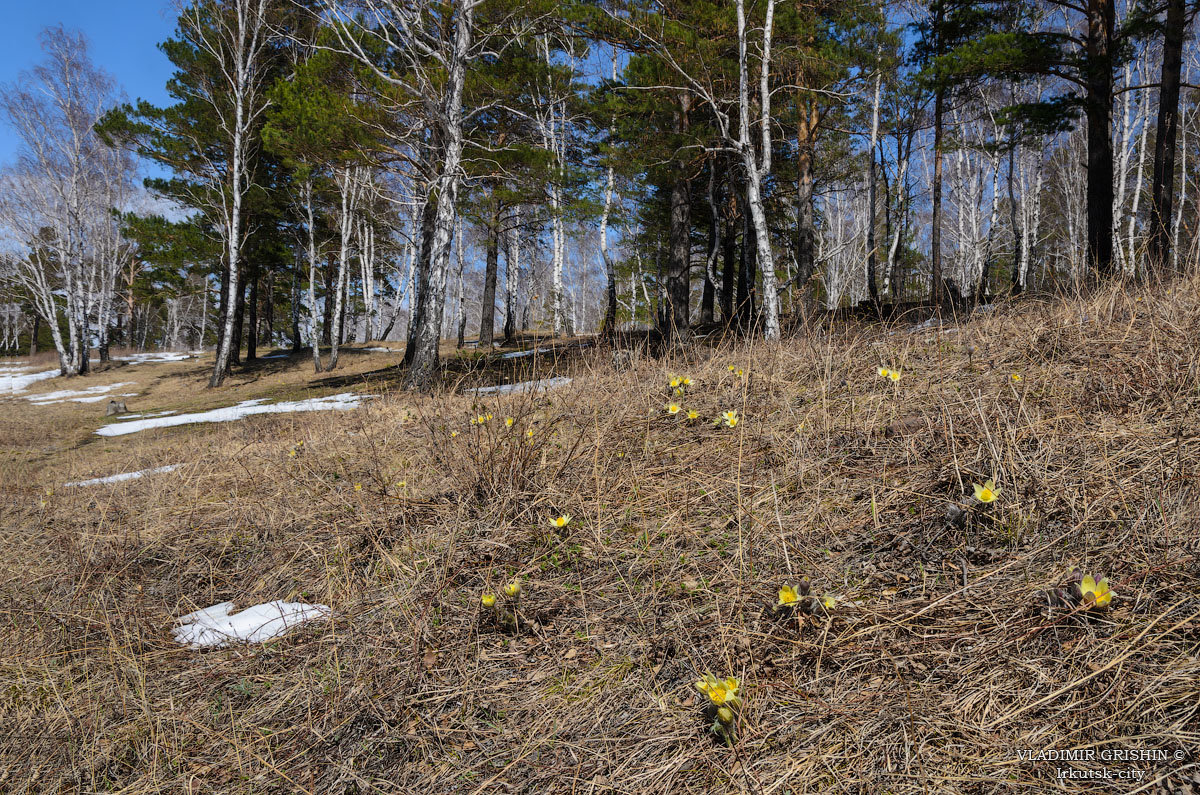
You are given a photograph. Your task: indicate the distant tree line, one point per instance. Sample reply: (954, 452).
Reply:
(329, 171)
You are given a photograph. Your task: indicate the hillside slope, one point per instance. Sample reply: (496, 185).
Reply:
(942, 658)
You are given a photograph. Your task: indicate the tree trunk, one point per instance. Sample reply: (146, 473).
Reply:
(677, 317)
(252, 337)
(512, 272)
(729, 277)
(1162, 184)
(872, 254)
(806, 227)
(423, 364)
(936, 289)
(327, 309)
(1098, 68)
(239, 323)
(487, 306)
(296, 343)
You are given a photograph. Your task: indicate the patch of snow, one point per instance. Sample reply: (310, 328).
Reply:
(524, 386)
(521, 354)
(157, 356)
(342, 402)
(124, 417)
(15, 384)
(92, 394)
(215, 627)
(276, 356)
(383, 350)
(124, 476)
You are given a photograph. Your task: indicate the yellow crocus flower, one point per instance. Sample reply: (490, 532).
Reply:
(987, 493)
(1097, 594)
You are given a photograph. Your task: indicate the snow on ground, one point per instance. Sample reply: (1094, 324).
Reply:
(124, 476)
(15, 380)
(524, 386)
(342, 402)
(383, 350)
(215, 627)
(124, 417)
(522, 354)
(93, 394)
(156, 356)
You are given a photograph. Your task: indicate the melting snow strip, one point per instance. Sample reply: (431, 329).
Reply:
(215, 627)
(124, 476)
(15, 384)
(530, 352)
(92, 394)
(342, 402)
(524, 386)
(161, 356)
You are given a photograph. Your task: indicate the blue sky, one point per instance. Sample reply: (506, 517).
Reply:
(122, 36)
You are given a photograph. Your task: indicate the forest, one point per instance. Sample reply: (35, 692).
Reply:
(335, 171)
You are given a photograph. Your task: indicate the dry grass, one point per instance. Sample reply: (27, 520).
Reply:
(942, 660)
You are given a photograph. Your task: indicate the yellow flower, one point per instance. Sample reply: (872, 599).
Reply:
(732, 369)
(453, 434)
(721, 692)
(725, 715)
(473, 420)
(513, 589)
(673, 409)
(894, 375)
(508, 422)
(884, 372)
(401, 484)
(489, 416)
(1097, 594)
(358, 487)
(488, 600)
(561, 521)
(1016, 377)
(788, 596)
(692, 414)
(685, 381)
(828, 602)
(292, 453)
(731, 418)
(529, 433)
(675, 381)
(987, 493)
(740, 372)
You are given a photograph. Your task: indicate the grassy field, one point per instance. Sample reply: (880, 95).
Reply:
(945, 656)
